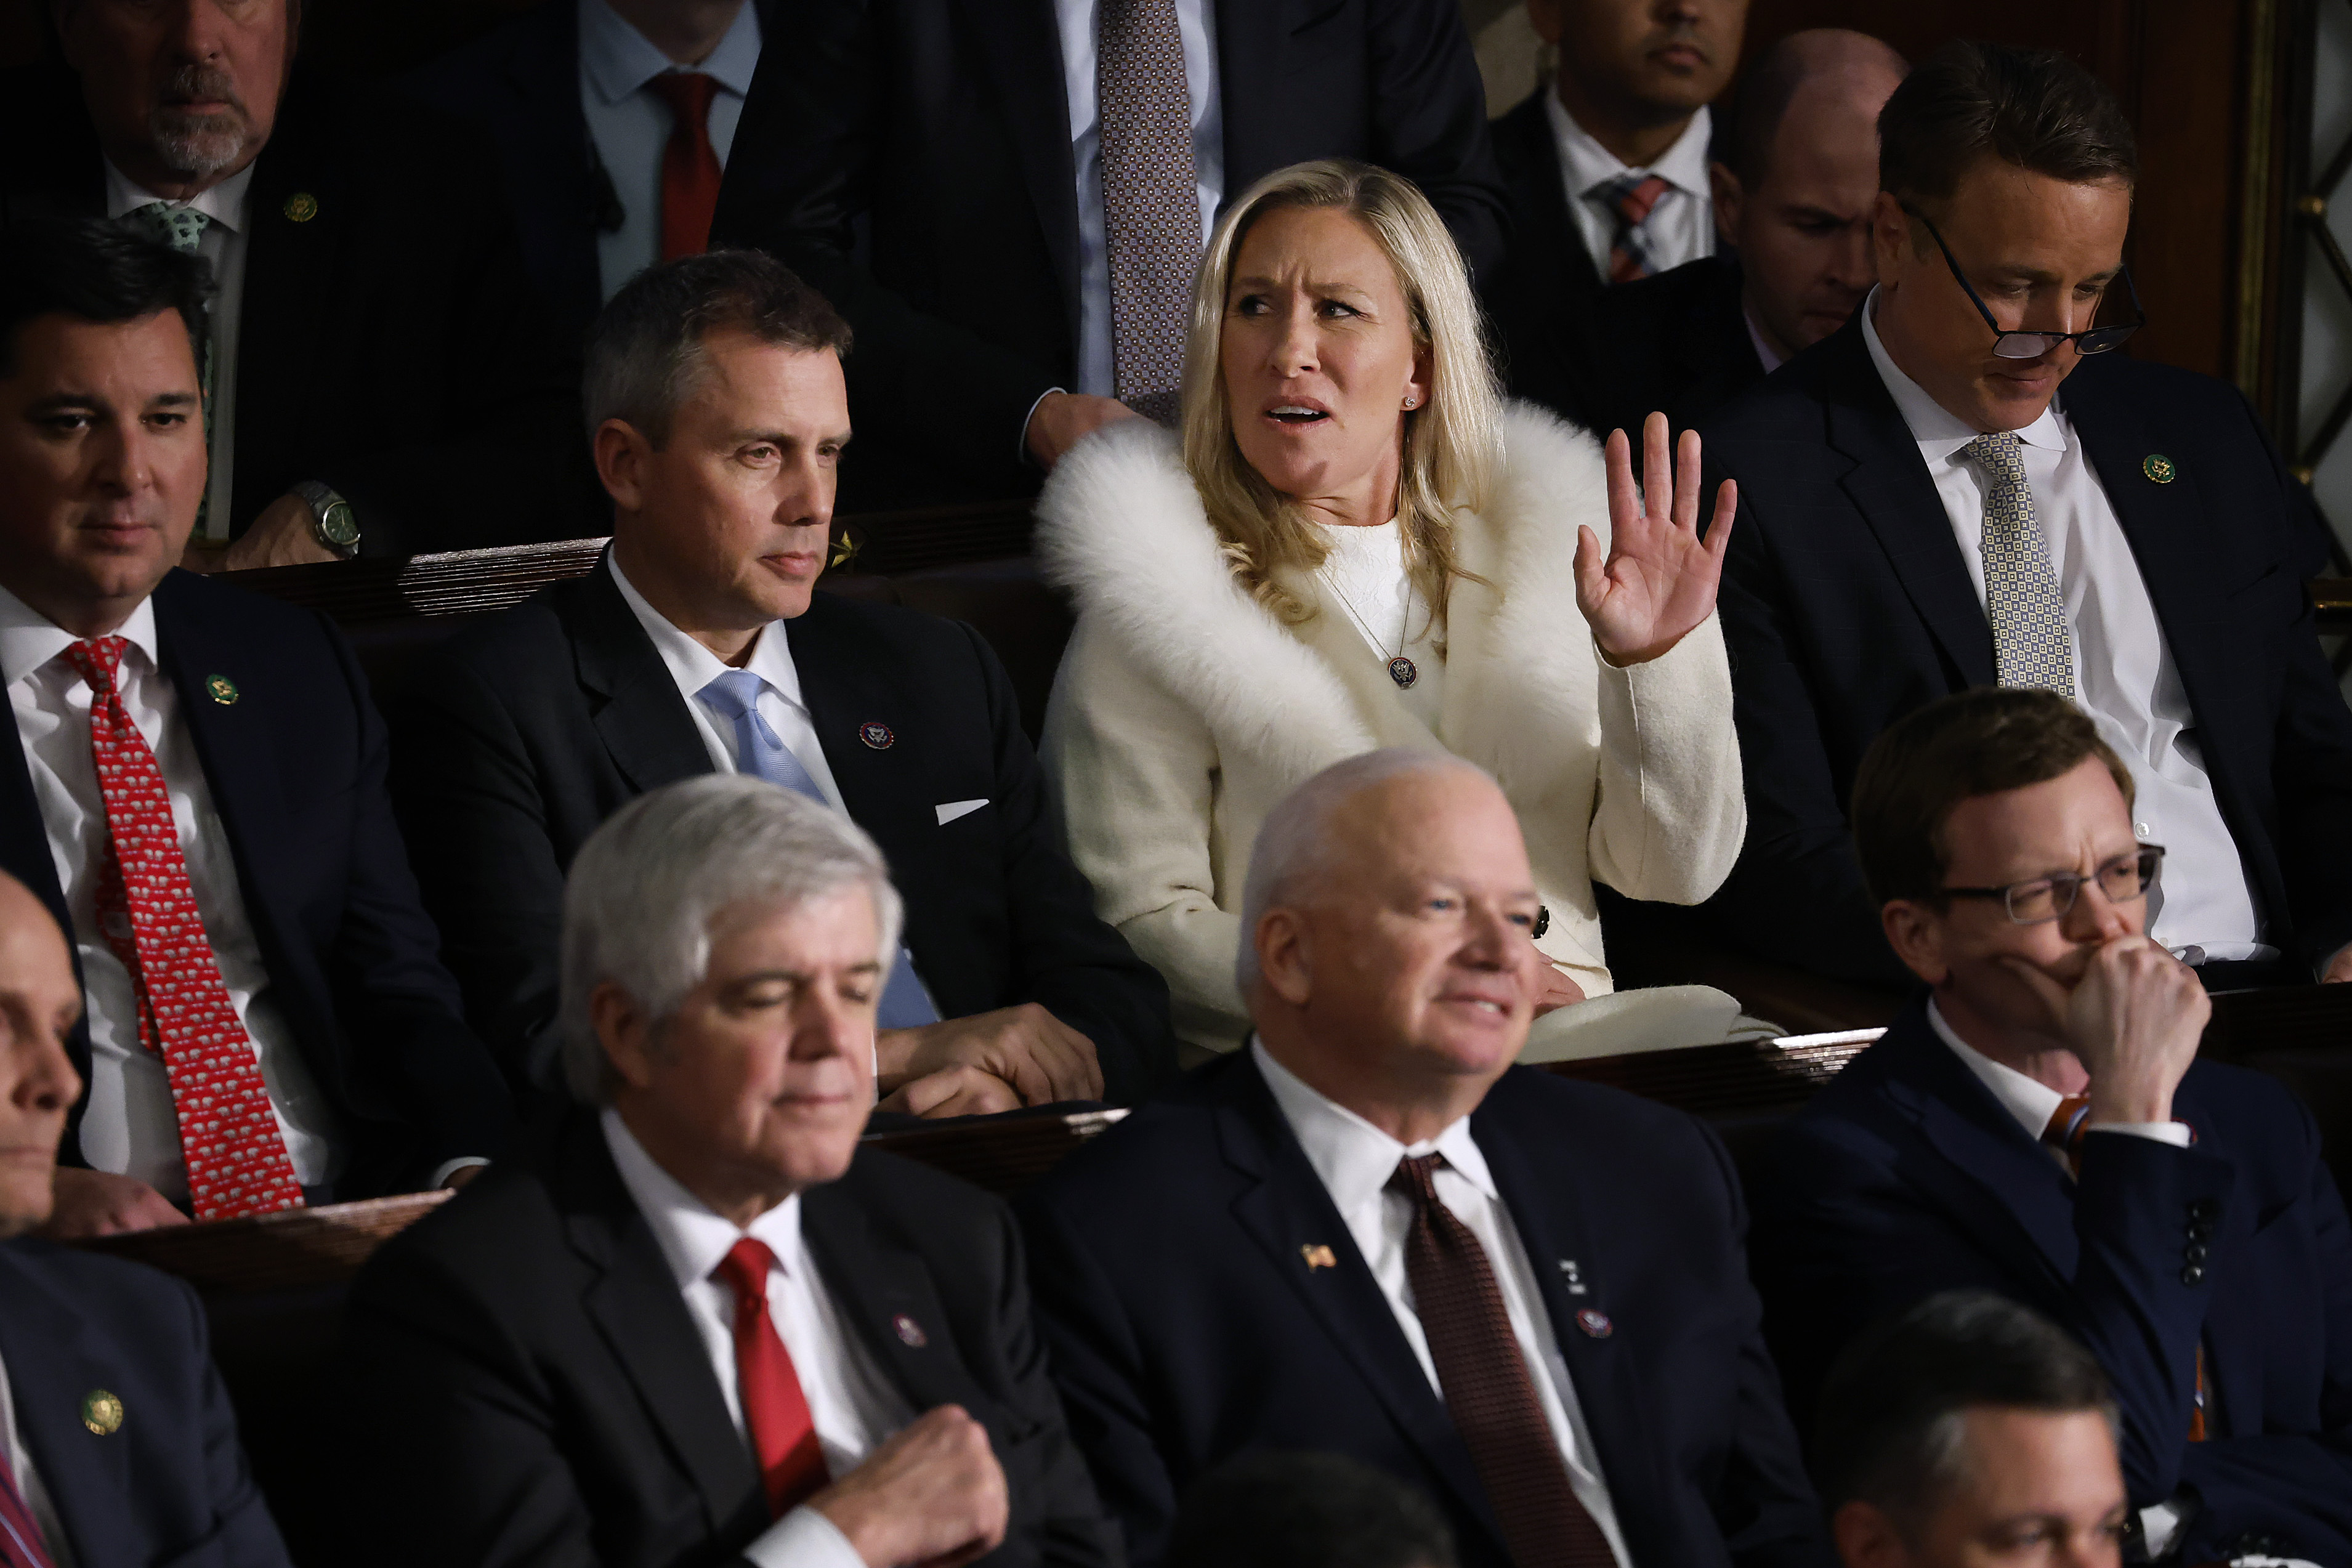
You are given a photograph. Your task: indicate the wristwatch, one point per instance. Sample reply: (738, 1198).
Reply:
(332, 522)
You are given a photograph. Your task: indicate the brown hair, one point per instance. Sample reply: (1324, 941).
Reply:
(1977, 742)
(2034, 109)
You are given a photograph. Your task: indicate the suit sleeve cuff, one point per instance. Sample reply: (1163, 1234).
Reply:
(1021, 443)
(2173, 1133)
(803, 1539)
(448, 1168)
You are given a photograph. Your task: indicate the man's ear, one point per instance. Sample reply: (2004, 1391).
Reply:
(1890, 238)
(621, 452)
(1866, 1538)
(1285, 965)
(626, 1033)
(1731, 200)
(1916, 931)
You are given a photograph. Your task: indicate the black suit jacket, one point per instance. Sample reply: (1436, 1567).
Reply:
(521, 83)
(911, 159)
(1675, 343)
(1847, 604)
(525, 1385)
(1906, 1176)
(1187, 1325)
(1536, 297)
(296, 766)
(168, 1488)
(521, 738)
(391, 344)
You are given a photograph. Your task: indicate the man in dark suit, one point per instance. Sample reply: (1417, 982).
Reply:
(1793, 203)
(1923, 511)
(1367, 1233)
(586, 152)
(2040, 1126)
(531, 729)
(117, 1442)
(192, 779)
(937, 169)
(696, 1324)
(382, 379)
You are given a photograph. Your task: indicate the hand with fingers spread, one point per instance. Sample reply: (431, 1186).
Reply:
(2134, 1020)
(1658, 577)
(1041, 1057)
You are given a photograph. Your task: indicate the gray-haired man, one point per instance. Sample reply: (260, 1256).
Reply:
(696, 1324)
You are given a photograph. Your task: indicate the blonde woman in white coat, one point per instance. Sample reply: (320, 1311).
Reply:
(1355, 544)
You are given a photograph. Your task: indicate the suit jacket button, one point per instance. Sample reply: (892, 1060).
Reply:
(2195, 1252)
(2207, 1209)
(2193, 1275)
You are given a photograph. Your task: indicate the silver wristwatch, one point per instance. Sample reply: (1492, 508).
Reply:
(332, 522)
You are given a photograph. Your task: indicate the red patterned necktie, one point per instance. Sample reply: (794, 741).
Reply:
(1152, 200)
(690, 174)
(21, 1545)
(1489, 1389)
(235, 1154)
(784, 1434)
(1630, 201)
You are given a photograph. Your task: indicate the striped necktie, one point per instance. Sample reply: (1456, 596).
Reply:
(2023, 597)
(21, 1543)
(1631, 199)
(1152, 200)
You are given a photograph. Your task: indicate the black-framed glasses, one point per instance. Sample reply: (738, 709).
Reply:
(2122, 880)
(2008, 345)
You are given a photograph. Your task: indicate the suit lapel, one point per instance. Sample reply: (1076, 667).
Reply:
(632, 700)
(888, 1298)
(1023, 45)
(842, 698)
(54, 1362)
(291, 278)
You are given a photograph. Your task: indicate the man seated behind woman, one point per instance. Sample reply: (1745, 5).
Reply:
(1355, 543)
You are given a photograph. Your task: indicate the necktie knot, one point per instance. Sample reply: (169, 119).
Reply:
(98, 660)
(1998, 452)
(179, 227)
(744, 1270)
(688, 93)
(733, 695)
(1416, 1177)
(1633, 196)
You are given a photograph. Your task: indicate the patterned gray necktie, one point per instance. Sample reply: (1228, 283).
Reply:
(2022, 598)
(181, 228)
(1151, 203)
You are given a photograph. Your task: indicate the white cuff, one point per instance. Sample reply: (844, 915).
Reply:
(803, 1538)
(1021, 445)
(2171, 1133)
(448, 1168)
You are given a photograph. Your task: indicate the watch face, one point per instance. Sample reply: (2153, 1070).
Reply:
(340, 526)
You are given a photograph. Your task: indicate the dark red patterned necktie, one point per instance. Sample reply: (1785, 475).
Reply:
(1630, 201)
(1151, 201)
(235, 1154)
(784, 1434)
(21, 1545)
(1489, 1389)
(689, 180)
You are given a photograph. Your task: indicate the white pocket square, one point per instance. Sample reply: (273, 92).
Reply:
(951, 809)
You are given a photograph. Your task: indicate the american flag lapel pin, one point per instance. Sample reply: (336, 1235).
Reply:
(1317, 1255)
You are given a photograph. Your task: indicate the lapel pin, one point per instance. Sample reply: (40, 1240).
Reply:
(221, 690)
(102, 1412)
(2158, 467)
(301, 206)
(876, 735)
(910, 1332)
(1317, 1255)
(1571, 1279)
(1595, 1324)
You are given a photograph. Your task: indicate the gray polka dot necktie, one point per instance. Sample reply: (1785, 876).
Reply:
(181, 228)
(1151, 203)
(2023, 599)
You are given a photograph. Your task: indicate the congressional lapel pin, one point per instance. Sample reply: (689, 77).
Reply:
(2158, 467)
(301, 206)
(221, 690)
(102, 1412)
(1571, 1278)
(1317, 1255)
(1595, 1323)
(876, 735)
(910, 1332)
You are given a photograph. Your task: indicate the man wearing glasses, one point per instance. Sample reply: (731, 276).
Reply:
(2038, 1125)
(1923, 509)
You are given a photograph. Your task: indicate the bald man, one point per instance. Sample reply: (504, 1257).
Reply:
(1792, 199)
(1368, 1234)
(85, 1339)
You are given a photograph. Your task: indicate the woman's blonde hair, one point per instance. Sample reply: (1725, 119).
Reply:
(1452, 442)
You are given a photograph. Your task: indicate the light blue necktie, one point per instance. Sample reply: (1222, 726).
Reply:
(735, 697)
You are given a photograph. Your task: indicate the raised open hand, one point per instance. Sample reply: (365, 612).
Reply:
(1658, 580)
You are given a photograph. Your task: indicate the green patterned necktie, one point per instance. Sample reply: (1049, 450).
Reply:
(182, 228)
(2023, 599)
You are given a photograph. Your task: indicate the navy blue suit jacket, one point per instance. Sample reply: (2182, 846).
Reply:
(1906, 1176)
(1187, 1327)
(296, 764)
(1847, 604)
(168, 1488)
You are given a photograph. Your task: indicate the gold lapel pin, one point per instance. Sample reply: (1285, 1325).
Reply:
(102, 1412)
(301, 206)
(2158, 467)
(221, 690)
(1317, 1255)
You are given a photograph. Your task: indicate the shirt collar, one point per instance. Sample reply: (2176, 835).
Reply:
(1589, 164)
(2031, 1101)
(30, 639)
(618, 59)
(1938, 431)
(693, 665)
(693, 1237)
(1354, 1158)
(1764, 354)
(223, 203)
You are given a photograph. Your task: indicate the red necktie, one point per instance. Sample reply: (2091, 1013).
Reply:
(21, 1545)
(235, 1153)
(783, 1435)
(1631, 201)
(689, 185)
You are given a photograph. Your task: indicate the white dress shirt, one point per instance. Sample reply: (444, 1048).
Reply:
(694, 666)
(1366, 566)
(1196, 22)
(1355, 1161)
(1764, 354)
(2125, 677)
(223, 244)
(851, 1403)
(630, 125)
(1680, 226)
(129, 1125)
(29, 1485)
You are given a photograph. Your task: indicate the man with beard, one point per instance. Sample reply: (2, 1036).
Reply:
(379, 376)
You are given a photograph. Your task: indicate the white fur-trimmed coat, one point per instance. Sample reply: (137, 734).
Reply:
(1184, 710)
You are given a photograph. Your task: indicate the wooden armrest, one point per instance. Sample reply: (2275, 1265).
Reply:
(261, 1253)
(2331, 604)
